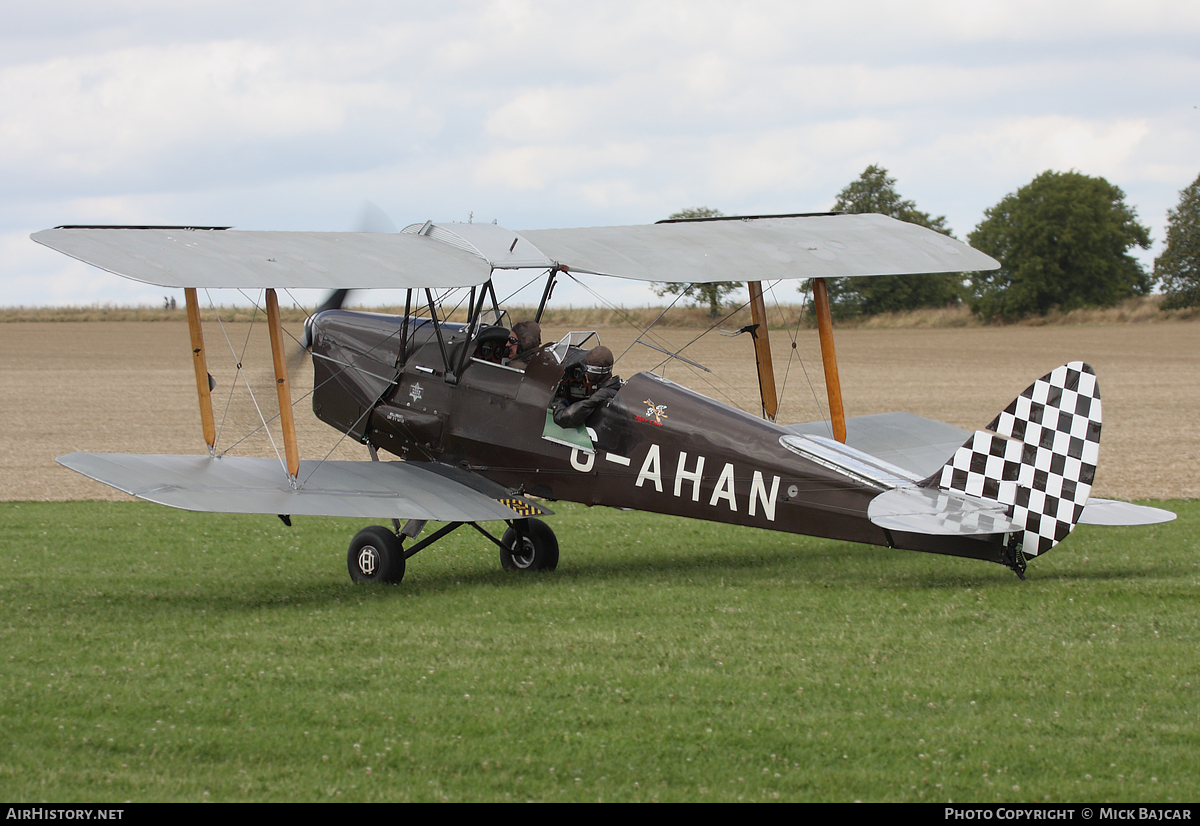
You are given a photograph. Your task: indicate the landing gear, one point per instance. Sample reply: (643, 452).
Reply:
(1014, 555)
(378, 555)
(529, 545)
(375, 555)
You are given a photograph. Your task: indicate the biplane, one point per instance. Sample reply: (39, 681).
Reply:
(474, 441)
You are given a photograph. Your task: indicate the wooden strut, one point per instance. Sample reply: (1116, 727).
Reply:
(203, 387)
(286, 421)
(829, 358)
(762, 352)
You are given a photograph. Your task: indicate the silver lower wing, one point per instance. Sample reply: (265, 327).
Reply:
(236, 484)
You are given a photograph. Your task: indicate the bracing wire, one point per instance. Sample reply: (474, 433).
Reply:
(806, 296)
(241, 373)
(540, 274)
(344, 367)
(794, 335)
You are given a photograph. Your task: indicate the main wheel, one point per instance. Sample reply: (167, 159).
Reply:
(532, 548)
(375, 555)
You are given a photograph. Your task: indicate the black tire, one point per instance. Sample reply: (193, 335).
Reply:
(375, 555)
(533, 548)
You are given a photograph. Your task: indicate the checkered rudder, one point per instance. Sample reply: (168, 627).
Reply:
(1038, 457)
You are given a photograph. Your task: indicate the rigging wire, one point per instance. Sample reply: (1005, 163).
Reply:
(345, 366)
(651, 327)
(709, 382)
(618, 311)
(540, 274)
(643, 331)
(242, 374)
(816, 398)
(238, 370)
(794, 335)
(722, 391)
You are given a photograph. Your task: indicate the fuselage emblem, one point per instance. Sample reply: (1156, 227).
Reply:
(655, 413)
(415, 392)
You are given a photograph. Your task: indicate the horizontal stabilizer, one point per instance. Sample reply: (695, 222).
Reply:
(919, 445)
(849, 461)
(238, 484)
(938, 512)
(1113, 513)
(1028, 473)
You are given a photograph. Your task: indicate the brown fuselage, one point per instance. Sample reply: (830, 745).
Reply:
(658, 446)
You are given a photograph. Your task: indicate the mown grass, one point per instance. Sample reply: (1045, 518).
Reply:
(152, 654)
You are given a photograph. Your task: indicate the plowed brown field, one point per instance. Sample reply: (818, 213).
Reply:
(129, 387)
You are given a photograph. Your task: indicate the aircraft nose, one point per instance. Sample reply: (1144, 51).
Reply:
(333, 301)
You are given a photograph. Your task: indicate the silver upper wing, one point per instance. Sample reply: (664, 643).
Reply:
(760, 249)
(461, 255)
(217, 258)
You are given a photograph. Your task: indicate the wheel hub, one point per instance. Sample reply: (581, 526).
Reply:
(368, 561)
(523, 552)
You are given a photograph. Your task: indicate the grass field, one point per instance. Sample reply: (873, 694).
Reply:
(159, 655)
(151, 654)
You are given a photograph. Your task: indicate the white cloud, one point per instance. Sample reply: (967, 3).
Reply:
(89, 115)
(535, 167)
(1007, 149)
(551, 114)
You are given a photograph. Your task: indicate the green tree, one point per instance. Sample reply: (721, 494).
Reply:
(875, 191)
(1179, 265)
(1062, 241)
(713, 293)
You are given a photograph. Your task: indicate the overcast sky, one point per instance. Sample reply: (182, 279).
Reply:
(289, 116)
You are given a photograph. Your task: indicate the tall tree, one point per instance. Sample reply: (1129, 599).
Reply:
(1179, 265)
(713, 293)
(1063, 242)
(875, 191)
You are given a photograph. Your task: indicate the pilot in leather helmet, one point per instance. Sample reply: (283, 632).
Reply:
(588, 386)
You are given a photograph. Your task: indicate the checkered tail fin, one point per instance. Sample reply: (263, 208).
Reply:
(1037, 458)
